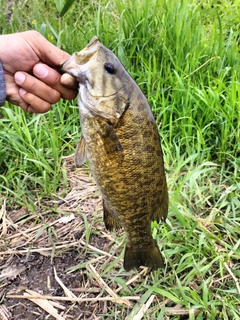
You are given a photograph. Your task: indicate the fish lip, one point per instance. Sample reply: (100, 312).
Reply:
(70, 66)
(60, 69)
(86, 54)
(93, 40)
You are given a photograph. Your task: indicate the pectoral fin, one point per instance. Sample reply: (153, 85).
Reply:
(111, 141)
(109, 137)
(81, 153)
(110, 108)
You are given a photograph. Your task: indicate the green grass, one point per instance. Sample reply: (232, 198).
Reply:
(185, 57)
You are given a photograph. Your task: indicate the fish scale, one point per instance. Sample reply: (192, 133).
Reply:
(120, 140)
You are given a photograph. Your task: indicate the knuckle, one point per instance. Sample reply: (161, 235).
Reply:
(33, 34)
(35, 104)
(55, 81)
(30, 84)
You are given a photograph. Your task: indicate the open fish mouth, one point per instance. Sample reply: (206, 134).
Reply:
(85, 55)
(81, 57)
(80, 61)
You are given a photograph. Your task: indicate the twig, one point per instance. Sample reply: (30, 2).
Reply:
(132, 279)
(3, 218)
(20, 232)
(179, 311)
(83, 300)
(67, 292)
(4, 313)
(70, 244)
(233, 276)
(44, 304)
(203, 65)
(104, 285)
(95, 249)
(144, 308)
(86, 290)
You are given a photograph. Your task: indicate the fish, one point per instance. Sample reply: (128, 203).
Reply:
(121, 142)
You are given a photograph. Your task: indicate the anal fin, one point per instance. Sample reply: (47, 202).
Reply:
(160, 214)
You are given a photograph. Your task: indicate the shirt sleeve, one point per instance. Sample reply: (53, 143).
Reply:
(2, 86)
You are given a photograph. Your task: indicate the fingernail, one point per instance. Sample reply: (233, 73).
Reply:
(19, 77)
(22, 92)
(40, 71)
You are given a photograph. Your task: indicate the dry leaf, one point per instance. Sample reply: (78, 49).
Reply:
(44, 304)
(11, 272)
(67, 219)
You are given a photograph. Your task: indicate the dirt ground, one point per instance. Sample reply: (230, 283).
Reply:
(38, 274)
(59, 252)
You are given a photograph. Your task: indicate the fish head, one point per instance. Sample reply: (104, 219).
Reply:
(97, 69)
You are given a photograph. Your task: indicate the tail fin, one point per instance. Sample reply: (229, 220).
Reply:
(149, 256)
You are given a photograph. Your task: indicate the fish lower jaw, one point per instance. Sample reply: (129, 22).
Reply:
(83, 110)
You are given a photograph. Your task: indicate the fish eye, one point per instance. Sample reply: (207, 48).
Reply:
(109, 67)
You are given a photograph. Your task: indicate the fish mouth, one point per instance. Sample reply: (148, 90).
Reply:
(68, 66)
(60, 69)
(86, 54)
(93, 41)
(80, 58)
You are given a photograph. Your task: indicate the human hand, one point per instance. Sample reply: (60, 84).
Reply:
(29, 63)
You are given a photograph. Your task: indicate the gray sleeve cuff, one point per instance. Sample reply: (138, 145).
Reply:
(2, 86)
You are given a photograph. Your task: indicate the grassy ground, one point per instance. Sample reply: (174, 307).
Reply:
(185, 57)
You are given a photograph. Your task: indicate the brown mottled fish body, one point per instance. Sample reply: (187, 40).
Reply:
(120, 139)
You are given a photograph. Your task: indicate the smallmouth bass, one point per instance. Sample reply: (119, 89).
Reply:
(120, 140)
